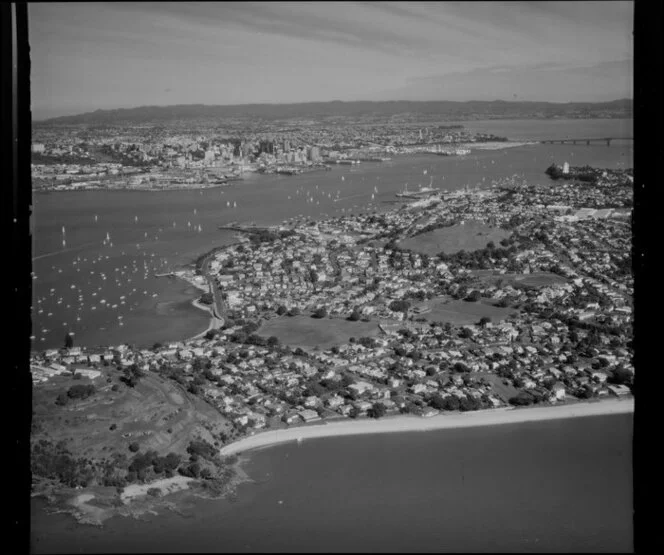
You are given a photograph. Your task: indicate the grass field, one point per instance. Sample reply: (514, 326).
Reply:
(306, 332)
(463, 312)
(533, 280)
(147, 412)
(470, 237)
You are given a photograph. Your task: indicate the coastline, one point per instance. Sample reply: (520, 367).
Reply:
(395, 424)
(497, 145)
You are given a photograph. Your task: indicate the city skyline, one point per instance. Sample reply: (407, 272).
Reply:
(93, 56)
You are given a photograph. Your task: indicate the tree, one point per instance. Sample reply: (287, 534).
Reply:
(376, 411)
(474, 296)
(620, 376)
(466, 333)
(354, 316)
(295, 311)
(354, 412)
(437, 402)
(521, 399)
(81, 391)
(399, 306)
(69, 341)
(484, 320)
(461, 367)
(281, 310)
(320, 313)
(134, 447)
(272, 341)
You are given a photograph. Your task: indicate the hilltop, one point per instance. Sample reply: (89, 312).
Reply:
(111, 435)
(498, 109)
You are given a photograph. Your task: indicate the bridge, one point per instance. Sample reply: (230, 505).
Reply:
(568, 141)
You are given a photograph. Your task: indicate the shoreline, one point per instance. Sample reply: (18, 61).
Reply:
(395, 424)
(497, 145)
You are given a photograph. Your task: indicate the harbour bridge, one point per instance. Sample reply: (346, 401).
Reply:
(568, 141)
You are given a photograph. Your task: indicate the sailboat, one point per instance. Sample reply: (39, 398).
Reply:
(135, 218)
(95, 217)
(234, 204)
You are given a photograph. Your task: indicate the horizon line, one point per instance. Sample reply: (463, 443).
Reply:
(512, 101)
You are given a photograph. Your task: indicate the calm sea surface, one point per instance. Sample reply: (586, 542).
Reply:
(556, 486)
(151, 232)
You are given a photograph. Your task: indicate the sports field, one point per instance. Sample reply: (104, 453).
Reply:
(306, 332)
(532, 280)
(464, 312)
(470, 236)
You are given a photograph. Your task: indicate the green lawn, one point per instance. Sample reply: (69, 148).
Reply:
(470, 237)
(463, 312)
(306, 332)
(533, 280)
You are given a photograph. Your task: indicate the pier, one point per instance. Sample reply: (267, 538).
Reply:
(606, 140)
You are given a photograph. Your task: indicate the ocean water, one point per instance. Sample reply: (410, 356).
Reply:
(153, 232)
(538, 487)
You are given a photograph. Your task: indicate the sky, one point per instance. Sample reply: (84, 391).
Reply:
(89, 56)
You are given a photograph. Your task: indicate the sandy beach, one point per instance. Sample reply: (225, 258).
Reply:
(167, 485)
(393, 424)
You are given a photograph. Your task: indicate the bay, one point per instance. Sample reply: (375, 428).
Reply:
(154, 232)
(537, 487)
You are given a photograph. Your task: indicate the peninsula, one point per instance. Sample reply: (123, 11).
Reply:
(472, 302)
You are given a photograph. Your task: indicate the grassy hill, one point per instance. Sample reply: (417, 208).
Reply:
(83, 439)
(441, 108)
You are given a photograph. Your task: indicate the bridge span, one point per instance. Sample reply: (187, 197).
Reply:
(568, 141)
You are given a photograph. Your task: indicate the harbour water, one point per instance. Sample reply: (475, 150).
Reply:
(91, 246)
(538, 487)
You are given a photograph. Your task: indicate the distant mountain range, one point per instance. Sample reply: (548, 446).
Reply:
(444, 109)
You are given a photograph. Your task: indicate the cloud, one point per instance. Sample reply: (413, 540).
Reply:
(335, 22)
(550, 81)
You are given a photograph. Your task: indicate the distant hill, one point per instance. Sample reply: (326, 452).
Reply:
(445, 109)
